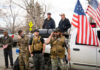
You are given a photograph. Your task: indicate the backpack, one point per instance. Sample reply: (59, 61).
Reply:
(16, 64)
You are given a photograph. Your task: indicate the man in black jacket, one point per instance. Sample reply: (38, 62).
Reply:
(64, 23)
(49, 23)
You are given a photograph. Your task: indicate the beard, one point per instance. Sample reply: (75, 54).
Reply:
(58, 36)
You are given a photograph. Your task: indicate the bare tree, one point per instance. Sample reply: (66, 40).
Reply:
(1, 13)
(34, 11)
(14, 16)
(10, 18)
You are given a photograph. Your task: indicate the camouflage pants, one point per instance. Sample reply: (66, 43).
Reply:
(38, 61)
(58, 62)
(23, 61)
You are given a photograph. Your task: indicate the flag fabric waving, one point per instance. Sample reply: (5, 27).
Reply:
(93, 11)
(85, 33)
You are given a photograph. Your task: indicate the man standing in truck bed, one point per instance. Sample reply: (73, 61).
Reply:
(64, 23)
(49, 23)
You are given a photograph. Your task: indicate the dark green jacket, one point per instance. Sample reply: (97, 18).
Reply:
(8, 40)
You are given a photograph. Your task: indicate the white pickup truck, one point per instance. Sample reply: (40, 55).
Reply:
(83, 57)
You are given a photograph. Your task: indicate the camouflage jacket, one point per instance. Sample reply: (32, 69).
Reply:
(7, 40)
(23, 44)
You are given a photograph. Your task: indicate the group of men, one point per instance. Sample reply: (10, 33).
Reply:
(64, 23)
(35, 46)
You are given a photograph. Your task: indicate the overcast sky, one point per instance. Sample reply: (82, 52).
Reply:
(55, 7)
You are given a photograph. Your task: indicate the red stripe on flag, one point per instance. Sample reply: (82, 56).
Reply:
(78, 32)
(98, 11)
(93, 16)
(89, 11)
(75, 16)
(94, 13)
(75, 21)
(82, 22)
(86, 32)
(89, 35)
(93, 38)
(74, 25)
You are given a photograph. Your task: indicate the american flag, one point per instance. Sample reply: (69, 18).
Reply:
(85, 33)
(93, 11)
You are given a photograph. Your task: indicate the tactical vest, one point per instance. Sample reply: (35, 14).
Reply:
(37, 45)
(57, 47)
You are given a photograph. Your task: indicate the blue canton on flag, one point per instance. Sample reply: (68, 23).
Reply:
(78, 9)
(94, 4)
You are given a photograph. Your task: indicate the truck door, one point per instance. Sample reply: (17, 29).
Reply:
(82, 56)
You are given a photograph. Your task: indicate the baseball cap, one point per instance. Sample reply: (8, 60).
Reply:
(49, 13)
(62, 14)
(57, 30)
(36, 30)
